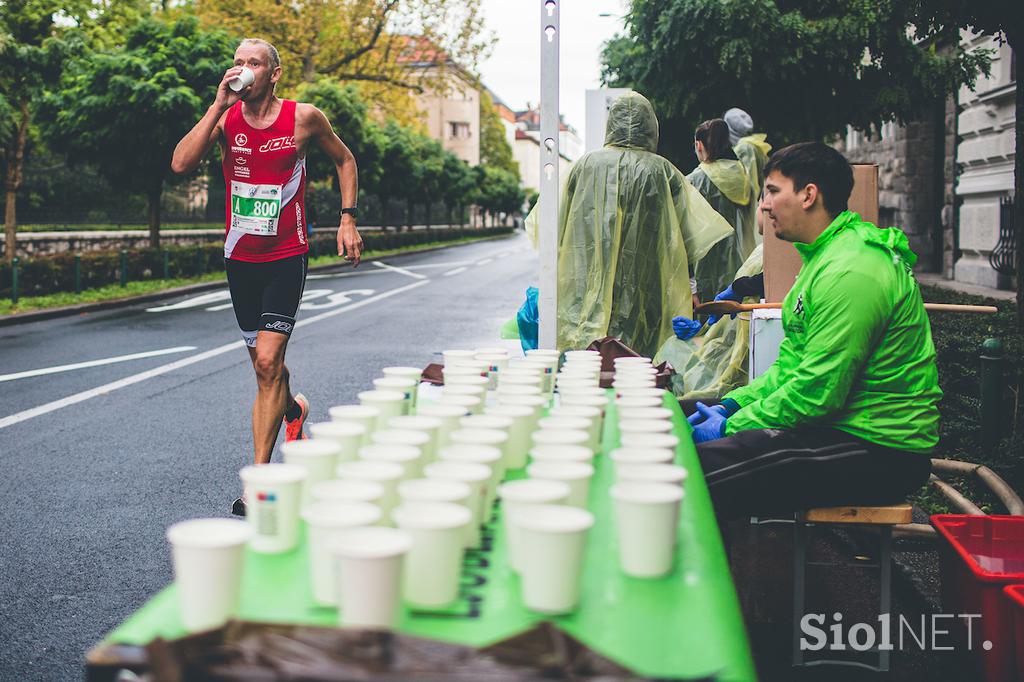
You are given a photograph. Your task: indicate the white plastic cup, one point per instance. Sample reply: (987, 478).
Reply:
(431, 490)
(667, 441)
(337, 490)
(243, 80)
(632, 360)
(528, 379)
(364, 415)
(509, 390)
(469, 403)
(651, 473)
(448, 414)
(428, 425)
(553, 539)
(535, 402)
(405, 386)
(631, 383)
(490, 350)
(590, 376)
(560, 437)
(635, 370)
(583, 353)
(647, 522)
(464, 376)
(370, 576)
(523, 423)
(496, 364)
(576, 474)
(478, 390)
(415, 374)
(385, 474)
(273, 493)
(561, 453)
(629, 427)
(348, 435)
(476, 476)
(521, 494)
(471, 450)
(389, 403)
(406, 456)
(318, 457)
(577, 423)
(208, 556)
(546, 371)
(493, 423)
(633, 454)
(642, 398)
(416, 439)
(592, 413)
(662, 413)
(324, 523)
(433, 565)
(582, 391)
(455, 357)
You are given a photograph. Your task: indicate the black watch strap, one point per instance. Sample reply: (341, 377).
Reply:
(351, 210)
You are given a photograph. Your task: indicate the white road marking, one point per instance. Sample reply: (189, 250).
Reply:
(194, 301)
(422, 266)
(485, 261)
(25, 415)
(93, 363)
(454, 272)
(401, 271)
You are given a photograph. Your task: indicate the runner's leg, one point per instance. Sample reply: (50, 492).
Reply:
(272, 392)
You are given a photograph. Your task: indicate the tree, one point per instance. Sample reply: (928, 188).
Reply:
(428, 174)
(803, 69)
(494, 148)
(396, 165)
(458, 187)
(498, 191)
(31, 58)
(125, 109)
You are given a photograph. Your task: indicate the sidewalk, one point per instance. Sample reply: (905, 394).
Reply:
(934, 279)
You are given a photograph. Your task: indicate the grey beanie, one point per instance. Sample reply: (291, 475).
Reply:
(740, 124)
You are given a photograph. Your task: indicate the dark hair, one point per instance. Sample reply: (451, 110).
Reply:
(815, 162)
(714, 135)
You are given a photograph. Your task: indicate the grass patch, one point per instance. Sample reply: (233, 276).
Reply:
(141, 287)
(107, 227)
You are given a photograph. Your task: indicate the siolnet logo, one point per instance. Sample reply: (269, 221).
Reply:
(241, 139)
(279, 143)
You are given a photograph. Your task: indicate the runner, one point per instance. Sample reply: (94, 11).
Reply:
(263, 141)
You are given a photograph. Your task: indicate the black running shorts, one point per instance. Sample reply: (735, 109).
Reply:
(266, 296)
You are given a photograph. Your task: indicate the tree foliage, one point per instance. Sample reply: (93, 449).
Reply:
(494, 148)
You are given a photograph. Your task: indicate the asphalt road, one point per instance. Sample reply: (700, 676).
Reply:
(97, 461)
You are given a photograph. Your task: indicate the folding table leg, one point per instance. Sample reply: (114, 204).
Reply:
(885, 566)
(799, 576)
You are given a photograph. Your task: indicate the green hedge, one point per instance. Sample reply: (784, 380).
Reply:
(52, 274)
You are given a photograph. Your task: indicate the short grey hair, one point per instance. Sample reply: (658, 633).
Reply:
(275, 58)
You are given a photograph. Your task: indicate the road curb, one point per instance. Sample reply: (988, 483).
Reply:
(67, 311)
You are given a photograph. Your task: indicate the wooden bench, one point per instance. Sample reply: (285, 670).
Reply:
(881, 518)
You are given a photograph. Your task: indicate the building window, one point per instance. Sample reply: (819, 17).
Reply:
(458, 130)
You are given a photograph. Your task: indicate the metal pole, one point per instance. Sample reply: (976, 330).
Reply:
(124, 267)
(991, 392)
(14, 280)
(78, 274)
(548, 209)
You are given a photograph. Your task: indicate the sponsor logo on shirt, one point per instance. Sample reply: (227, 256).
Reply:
(279, 143)
(240, 160)
(241, 139)
(241, 150)
(241, 172)
(279, 325)
(798, 309)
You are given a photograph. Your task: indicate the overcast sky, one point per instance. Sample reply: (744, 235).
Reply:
(513, 70)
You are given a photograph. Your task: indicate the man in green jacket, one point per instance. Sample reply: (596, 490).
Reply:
(848, 413)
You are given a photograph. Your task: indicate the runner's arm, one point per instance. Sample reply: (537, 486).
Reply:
(350, 244)
(198, 142)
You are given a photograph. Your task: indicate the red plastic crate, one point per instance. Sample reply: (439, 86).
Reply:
(1015, 594)
(978, 557)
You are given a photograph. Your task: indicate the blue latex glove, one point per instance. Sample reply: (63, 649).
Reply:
(685, 328)
(708, 423)
(726, 294)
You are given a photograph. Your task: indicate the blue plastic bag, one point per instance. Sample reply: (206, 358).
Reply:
(528, 320)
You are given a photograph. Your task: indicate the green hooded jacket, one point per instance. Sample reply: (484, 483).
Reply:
(857, 354)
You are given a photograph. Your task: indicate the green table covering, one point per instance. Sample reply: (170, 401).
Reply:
(687, 624)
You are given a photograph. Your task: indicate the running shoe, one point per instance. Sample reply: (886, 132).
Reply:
(293, 428)
(238, 507)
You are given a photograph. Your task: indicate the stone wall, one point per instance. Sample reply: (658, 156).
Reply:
(32, 244)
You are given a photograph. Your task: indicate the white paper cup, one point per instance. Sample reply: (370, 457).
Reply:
(416, 439)
(385, 474)
(624, 397)
(651, 473)
(434, 563)
(567, 423)
(273, 493)
(647, 521)
(428, 425)
(407, 387)
(632, 360)
(469, 403)
(629, 427)
(493, 423)
(535, 402)
(592, 413)
(389, 403)
(496, 364)
(458, 379)
(208, 556)
(553, 539)
(598, 401)
(629, 371)
(528, 379)
(470, 450)
(508, 390)
(370, 576)
(546, 371)
(521, 494)
(324, 523)
(490, 350)
(630, 383)
(582, 391)
(434, 490)
(477, 477)
(629, 455)
(561, 453)
(576, 474)
(406, 456)
(667, 441)
(662, 413)
(448, 414)
(338, 490)
(348, 435)
(455, 357)
(478, 390)
(364, 415)
(583, 353)
(413, 373)
(318, 457)
(524, 420)
(242, 80)
(560, 437)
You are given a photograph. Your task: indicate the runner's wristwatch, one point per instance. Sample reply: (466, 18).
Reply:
(351, 210)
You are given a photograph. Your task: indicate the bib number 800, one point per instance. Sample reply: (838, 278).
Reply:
(257, 207)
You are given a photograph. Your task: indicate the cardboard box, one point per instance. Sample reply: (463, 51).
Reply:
(781, 260)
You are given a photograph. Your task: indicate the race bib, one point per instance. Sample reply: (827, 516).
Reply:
(255, 209)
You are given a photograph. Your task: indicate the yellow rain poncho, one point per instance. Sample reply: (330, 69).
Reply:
(710, 365)
(752, 152)
(629, 226)
(727, 187)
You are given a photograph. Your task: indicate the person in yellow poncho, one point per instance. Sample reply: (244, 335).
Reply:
(630, 228)
(724, 182)
(750, 147)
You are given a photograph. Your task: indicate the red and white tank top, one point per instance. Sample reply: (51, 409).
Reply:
(266, 188)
